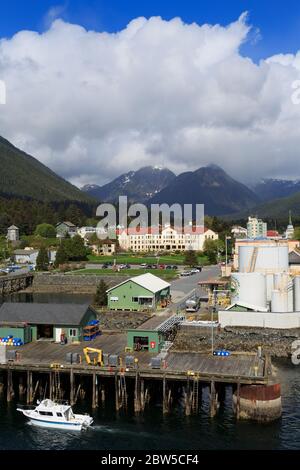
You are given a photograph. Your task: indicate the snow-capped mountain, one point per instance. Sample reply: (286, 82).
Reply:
(138, 186)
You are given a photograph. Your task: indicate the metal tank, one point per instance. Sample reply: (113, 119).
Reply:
(297, 294)
(249, 288)
(263, 258)
(279, 301)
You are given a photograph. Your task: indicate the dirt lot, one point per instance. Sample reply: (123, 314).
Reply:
(121, 320)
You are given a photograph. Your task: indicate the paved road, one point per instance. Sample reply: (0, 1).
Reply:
(181, 287)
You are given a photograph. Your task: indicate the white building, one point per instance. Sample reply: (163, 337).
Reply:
(13, 233)
(26, 256)
(239, 232)
(168, 239)
(256, 228)
(289, 233)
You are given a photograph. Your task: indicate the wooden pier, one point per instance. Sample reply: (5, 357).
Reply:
(41, 369)
(14, 283)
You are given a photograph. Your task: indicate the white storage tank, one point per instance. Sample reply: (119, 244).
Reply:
(270, 286)
(297, 294)
(279, 301)
(269, 258)
(249, 288)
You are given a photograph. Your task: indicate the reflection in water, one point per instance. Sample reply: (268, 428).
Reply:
(152, 430)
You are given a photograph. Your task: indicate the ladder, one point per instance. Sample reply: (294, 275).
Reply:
(253, 259)
(123, 392)
(195, 395)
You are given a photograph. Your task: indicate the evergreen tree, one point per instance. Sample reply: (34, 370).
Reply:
(191, 258)
(42, 261)
(76, 249)
(100, 298)
(61, 256)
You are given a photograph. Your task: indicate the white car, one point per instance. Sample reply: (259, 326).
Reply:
(195, 271)
(185, 273)
(144, 265)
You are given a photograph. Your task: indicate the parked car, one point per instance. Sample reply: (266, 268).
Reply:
(169, 266)
(162, 266)
(185, 273)
(144, 265)
(174, 266)
(199, 267)
(195, 271)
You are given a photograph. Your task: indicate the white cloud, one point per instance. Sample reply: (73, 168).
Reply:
(91, 105)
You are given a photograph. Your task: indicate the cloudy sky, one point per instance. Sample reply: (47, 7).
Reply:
(92, 104)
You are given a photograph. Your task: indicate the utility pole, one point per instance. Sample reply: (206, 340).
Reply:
(213, 310)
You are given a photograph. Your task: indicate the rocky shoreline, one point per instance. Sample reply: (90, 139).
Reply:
(275, 342)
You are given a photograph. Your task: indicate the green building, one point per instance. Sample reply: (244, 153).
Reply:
(152, 335)
(144, 292)
(37, 321)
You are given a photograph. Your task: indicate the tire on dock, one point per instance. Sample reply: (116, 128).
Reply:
(258, 402)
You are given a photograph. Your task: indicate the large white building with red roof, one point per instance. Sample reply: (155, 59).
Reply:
(165, 239)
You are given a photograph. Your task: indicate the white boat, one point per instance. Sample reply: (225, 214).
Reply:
(50, 414)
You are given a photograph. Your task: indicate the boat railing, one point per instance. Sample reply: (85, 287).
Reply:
(26, 407)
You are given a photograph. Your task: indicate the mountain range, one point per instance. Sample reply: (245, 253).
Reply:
(138, 186)
(23, 176)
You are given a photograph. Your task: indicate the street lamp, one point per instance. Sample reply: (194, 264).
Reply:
(226, 253)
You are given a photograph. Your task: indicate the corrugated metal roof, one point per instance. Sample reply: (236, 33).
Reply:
(148, 281)
(44, 314)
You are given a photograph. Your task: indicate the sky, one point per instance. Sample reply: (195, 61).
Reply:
(97, 88)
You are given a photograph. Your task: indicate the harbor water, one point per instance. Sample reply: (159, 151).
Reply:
(154, 431)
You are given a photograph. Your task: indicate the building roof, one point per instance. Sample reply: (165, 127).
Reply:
(253, 307)
(13, 227)
(69, 224)
(43, 314)
(294, 257)
(148, 281)
(272, 233)
(25, 252)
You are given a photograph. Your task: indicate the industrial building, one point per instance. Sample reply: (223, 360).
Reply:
(264, 285)
(144, 292)
(153, 335)
(37, 321)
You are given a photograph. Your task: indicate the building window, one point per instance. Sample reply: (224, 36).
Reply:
(135, 299)
(73, 332)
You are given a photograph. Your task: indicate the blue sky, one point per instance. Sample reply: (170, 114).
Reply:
(278, 21)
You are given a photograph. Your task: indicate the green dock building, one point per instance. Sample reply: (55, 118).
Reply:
(144, 292)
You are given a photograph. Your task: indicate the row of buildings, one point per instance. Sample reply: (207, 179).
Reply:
(145, 240)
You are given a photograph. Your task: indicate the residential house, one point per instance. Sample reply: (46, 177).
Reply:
(65, 228)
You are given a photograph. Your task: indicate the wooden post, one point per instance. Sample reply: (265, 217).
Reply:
(9, 390)
(117, 399)
(72, 401)
(142, 395)
(95, 391)
(102, 395)
(29, 387)
(238, 400)
(165, 397)
(212, 399)
(188, 398)
(137, 394)
(50, 385)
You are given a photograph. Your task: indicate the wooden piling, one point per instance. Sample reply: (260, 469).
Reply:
(137, 394)
(50, 385)
(9, 389)
(29, 387)
(213, 407)
(238, 400)
(117, 394)
(72, 396)
(95, 391)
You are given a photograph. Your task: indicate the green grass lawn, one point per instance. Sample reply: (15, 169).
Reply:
(134, 259)
(162, 273)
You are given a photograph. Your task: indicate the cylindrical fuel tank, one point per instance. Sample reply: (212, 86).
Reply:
(249, 288)
(279, 303)
(297, 294)
(263, 258)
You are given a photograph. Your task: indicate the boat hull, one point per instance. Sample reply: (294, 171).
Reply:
(55, 425)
